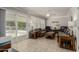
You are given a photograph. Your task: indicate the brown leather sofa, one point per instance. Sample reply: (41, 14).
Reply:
(37, 33)
(50, 35)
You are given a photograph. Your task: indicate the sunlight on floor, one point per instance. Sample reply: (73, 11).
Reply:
(38, 45)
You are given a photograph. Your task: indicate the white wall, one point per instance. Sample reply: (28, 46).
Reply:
(77, 28)
(77, 37)
(60, 21)
(75, 16)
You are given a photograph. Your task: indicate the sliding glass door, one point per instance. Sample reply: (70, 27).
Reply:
(19, 25)
(15, 25)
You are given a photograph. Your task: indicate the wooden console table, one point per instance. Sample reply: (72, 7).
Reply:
(67, 42)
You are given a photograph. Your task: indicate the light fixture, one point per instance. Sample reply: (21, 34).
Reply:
(47, 15)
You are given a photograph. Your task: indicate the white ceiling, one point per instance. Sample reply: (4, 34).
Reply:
(43, 11)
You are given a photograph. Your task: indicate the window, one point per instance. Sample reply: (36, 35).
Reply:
(21, 25)
(10, 25)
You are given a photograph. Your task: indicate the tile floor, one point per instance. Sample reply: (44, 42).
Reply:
(38, 45)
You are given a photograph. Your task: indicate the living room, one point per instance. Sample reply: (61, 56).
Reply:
(39, 29)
